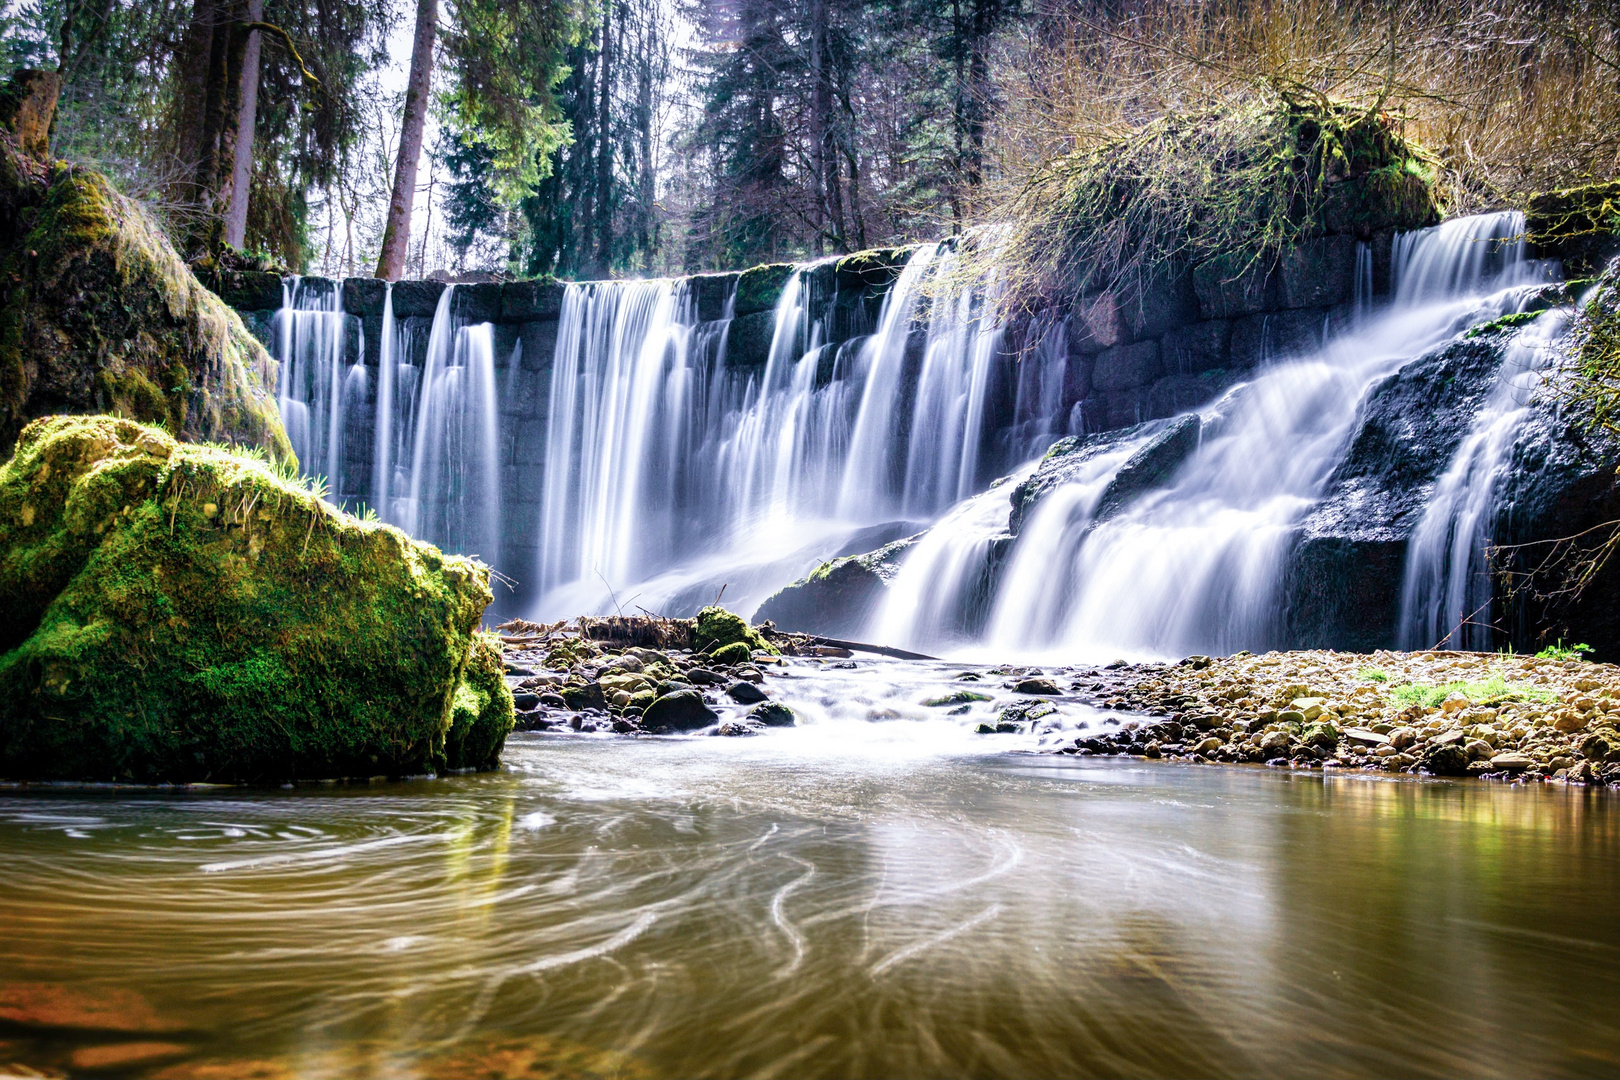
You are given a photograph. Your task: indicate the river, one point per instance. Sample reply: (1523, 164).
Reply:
(853, 897)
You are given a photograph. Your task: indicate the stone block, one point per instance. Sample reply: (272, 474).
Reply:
(710, 293)
(1126, 367)
(522, 301)
(758, 289)
(250, 290)
(1097, 323)
(874, 269)
(364, 296)
(1379, 201)
(539, 340)
(416, 298)
(1122, 408)
(529, 441)
(1234, 284)
(748, 345)
(1077, 378)
(371, 339)
(478, 302)
(1318, 273)
(1260, 338)
(1195, 347)
(1175, 394)
(1158, 306)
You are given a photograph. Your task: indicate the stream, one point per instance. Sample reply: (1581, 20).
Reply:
(852, 897)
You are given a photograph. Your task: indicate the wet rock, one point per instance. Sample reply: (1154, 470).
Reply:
(1511, 761)
(588, 696)
(684, 710)
(1446, 760)
(733, 728)
(957, 697)
(1037, 686)
(773, 714)
(701, 676)
(522, 700)
(745, 693)
(836, 598)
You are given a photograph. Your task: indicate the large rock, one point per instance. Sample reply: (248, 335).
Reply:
(838, 596)
(1343, 586)
(183, 613)
(1164, 445)
(100, 315)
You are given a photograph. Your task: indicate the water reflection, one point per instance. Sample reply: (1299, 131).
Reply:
(669, 907)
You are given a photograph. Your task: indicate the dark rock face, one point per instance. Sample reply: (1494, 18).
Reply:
(1562, 482)
(1151, 466)
(1343, 586)
(1169, 444)
(1580, 225)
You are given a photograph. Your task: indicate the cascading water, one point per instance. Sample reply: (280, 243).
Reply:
(1195, 565)
(323, 392)
(1446, 593)
(423, 451)
(671, 471)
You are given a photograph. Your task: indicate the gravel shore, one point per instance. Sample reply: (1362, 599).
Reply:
(1437, 713)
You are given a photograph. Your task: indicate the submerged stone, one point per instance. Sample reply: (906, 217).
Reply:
(684, 710)
(275, 639)
(773, 714)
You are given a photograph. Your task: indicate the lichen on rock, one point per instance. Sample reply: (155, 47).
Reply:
(184, 613)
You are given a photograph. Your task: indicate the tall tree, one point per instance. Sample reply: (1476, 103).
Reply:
(247, 117)
(397, 232)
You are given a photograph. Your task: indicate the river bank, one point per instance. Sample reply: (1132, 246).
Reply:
(1495, 716)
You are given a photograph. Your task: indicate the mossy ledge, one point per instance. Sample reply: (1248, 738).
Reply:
(188, 613)
(98, 314)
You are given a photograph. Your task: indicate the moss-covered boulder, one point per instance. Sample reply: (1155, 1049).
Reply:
(178, 612)
(715, 628)
(98, 314)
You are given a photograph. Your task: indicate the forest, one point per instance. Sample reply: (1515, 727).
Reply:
(606, 138)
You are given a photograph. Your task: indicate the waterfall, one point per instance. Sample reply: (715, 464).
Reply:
(320, 389)
(1196, 565)
(1446, 591)
(422, 451)
(451, 493)
(672, 471)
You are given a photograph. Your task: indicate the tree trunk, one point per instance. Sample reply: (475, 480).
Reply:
(820, 106)
(604, 158)
(397, 233)
(247, 116)
(217, 130)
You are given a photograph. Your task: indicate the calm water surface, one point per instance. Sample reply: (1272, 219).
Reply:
(846, 899)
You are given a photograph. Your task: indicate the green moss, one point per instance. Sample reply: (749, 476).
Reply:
(104, 317)
(185, 613)
(959, 697)
(716, 627)
(759, 288)
(1486, 692)
(481, 714)
(1579, 225)
(1506, 322)
(737, 652)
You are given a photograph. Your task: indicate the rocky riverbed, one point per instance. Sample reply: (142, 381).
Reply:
(1493, 716)
(1437, 713)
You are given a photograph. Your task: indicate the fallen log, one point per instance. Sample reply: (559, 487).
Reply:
(881, 650)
